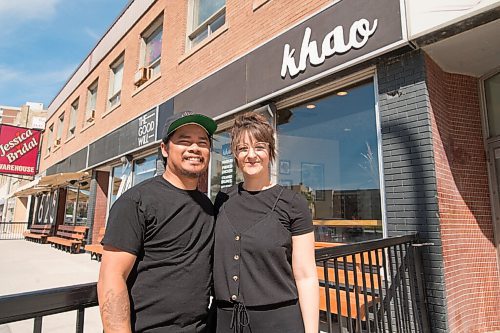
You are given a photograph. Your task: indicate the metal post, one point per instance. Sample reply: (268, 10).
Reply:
(80, 317)
(75, 209)
(37, 327)
(422, 299)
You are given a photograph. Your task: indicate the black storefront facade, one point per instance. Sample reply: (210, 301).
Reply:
(347, 94)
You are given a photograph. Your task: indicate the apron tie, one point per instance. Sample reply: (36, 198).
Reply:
(239, 318)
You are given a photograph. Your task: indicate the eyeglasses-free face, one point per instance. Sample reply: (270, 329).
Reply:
(187, 151)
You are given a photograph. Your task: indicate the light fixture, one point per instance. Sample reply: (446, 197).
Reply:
(342, 93)
(310, 106)
(126, 158)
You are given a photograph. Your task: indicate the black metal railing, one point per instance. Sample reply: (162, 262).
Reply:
(372, 286)
(12, 230)
(42, 303)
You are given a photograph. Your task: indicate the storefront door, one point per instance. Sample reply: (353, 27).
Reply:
(492, 112)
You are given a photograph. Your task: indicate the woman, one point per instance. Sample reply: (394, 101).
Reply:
(264, 269)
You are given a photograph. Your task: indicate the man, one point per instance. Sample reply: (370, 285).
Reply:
(156, 266)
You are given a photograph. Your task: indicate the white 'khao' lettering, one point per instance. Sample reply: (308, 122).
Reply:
(333, 43)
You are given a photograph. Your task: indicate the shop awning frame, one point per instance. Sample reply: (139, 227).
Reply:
(48, 183)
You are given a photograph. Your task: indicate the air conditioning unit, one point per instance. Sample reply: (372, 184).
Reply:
(57, 142)
(91, 116)
(141, 76)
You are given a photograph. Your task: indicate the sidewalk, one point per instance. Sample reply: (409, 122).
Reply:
(28, 266)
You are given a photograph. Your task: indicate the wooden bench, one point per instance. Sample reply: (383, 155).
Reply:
(68, 238)
(346, 303)
(38, 233)
(95, 249)
(350, 278)
(349, 292)
(357, 293)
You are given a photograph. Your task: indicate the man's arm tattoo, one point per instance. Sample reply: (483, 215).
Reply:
(115, 310)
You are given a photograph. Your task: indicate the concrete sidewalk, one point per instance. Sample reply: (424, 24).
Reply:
(28, 266)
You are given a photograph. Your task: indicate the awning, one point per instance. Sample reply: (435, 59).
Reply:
(47, 183)
(60, 179)
(29, 189)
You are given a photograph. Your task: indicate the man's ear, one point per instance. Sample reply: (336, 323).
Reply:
(164, 149)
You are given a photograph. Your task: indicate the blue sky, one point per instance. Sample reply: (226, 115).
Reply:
(43, 41)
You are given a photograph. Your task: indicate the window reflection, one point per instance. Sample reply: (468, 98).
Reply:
(77, 202)
(131, 173)
(144, 168)
(224, 172)
(328, 152)
(121, 176)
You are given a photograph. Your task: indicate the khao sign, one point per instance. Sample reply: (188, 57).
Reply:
(333, 43)
(18, 150)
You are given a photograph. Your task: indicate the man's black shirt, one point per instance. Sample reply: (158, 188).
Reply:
(171, 232)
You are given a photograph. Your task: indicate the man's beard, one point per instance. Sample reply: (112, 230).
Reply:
(190, 174)
(187, 173)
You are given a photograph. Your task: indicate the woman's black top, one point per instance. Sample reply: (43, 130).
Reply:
(253, 244)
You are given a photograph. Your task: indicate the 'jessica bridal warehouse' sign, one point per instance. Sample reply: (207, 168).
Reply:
(18, 150)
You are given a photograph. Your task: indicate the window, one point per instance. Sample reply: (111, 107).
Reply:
(131, 173)
(60, 125)
(491, 91)
(150, 52)
(328, 152)
(50, 135)
(121, 181)
(91, 102)
(206, 17)
(115, 82)
(224, 172)
(72, 119)
(77, 202)
(144, 168)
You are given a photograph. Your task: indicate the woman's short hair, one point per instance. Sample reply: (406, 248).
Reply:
(258, 127)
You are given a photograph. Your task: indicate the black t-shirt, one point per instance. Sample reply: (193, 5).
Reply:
(171, 232)
(291, 208)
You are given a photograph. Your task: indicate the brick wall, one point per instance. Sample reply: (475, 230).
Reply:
(179, 67)
(409, 172)
(470, 262)
(98, 204)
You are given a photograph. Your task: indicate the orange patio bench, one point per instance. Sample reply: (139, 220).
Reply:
(69, 238)
(38, 233)
(95, 249)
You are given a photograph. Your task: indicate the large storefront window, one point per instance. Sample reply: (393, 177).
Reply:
(144, 168)
(77, 202)
(121, 175)
(131, 173)
(327, 151)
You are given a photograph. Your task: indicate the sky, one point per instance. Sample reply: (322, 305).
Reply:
(43, 41)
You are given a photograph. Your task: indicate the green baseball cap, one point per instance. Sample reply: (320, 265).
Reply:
(185, 118)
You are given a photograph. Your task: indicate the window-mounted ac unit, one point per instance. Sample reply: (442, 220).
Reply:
(57, 142)
(141, 76)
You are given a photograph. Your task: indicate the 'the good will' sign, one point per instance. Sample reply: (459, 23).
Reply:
(18, 150)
